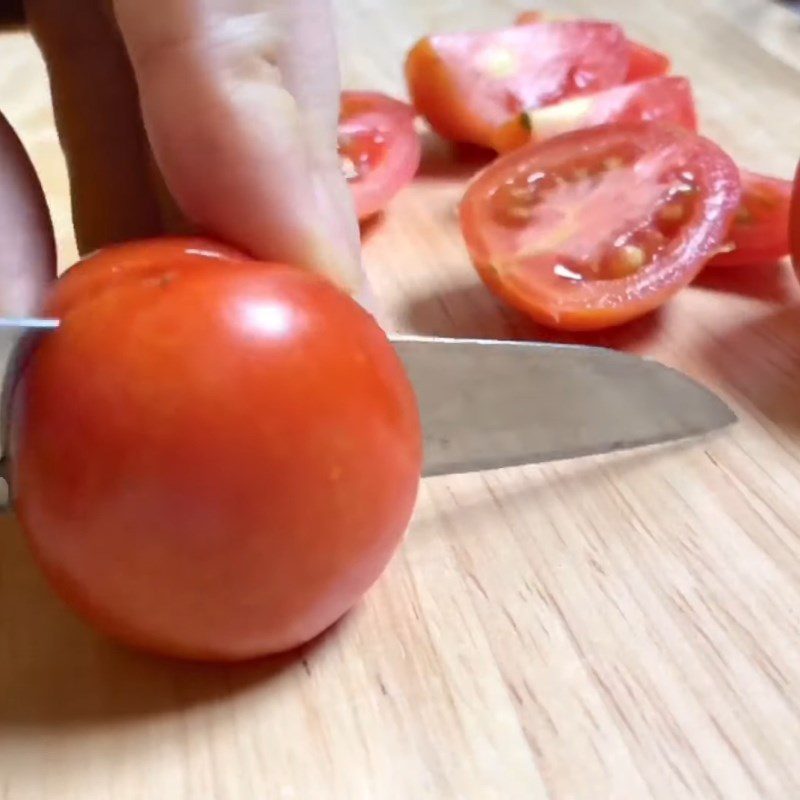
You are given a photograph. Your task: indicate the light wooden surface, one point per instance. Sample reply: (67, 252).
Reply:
(609, 628)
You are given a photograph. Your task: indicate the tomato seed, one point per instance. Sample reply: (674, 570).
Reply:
(348, 167)
(524, 194)
(519, 213)
(672, 212)
(613, 162)
(630, 258)
(622, 260)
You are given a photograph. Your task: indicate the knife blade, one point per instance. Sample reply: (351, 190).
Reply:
(486, 404)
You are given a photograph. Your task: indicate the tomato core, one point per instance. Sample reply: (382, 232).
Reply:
(569, 202)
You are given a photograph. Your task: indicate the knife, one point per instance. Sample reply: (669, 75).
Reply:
(486, 404)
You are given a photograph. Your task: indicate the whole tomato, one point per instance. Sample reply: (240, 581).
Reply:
(213, 458)
(794, 222)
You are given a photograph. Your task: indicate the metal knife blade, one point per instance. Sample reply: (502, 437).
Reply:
(17, 337)
(487, 404)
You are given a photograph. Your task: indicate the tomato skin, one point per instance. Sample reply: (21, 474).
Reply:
(794, 222)
(760, 230)
(667, 99)
(393, 148)
(644, 61)
(212, 459)
(468, 84)
(519, 271)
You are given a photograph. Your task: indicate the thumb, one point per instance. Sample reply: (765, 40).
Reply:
(240, 100)
(28, 263)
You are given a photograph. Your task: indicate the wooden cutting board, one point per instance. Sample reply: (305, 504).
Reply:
(621, 627)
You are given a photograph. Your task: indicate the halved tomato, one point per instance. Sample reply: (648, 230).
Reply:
(379, 148)
(598, 226)
(760, 229)
(667, 99)
(468, 84)
(644, 61)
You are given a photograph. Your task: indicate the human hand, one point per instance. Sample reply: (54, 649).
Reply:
(217, 113)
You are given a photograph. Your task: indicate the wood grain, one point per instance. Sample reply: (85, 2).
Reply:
(619, 627)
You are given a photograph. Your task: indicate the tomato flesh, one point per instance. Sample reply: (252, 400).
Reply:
(212, 458)
(468, 84)
(667, 99)
(760, 229)
(644, 61)
(598, 226)
(379, 148)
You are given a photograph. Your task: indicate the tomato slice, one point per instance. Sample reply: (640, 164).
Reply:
(667, 99)
(379, 148)
(760, 230)
(598, 226)
(644, 61)
(468, 84)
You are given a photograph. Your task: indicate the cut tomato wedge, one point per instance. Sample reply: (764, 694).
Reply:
(644, 61)
(667, 99)
(379, 148)
(759, 233)
(599, 226)
(468, 84)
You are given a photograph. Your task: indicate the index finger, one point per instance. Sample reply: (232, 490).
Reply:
(240, 100)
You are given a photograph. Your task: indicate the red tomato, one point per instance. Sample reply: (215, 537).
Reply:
(644, 61)
(212, 458)
(468, 84)
(760, 229)
(599, 226)
(794, 223)
(379, 148)
(667, 99)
